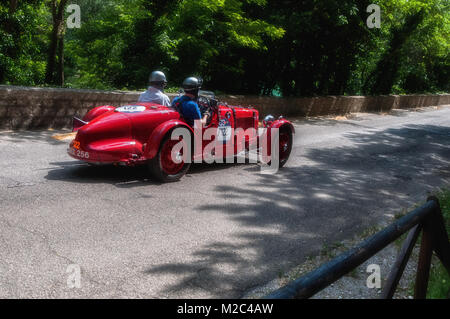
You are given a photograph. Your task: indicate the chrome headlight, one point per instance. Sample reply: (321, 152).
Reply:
(268, 120)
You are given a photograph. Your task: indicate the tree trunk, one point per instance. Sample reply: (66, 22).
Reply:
(12, 6)
(56, 48)
(385, 73)
(9, 23)
(51, 56)
(60, 76)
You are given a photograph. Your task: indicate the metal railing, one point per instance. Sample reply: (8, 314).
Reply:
(427, 219)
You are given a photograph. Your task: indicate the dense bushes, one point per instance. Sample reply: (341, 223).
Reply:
(280, 47)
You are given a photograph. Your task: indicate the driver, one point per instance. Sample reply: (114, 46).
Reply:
(186, 104)
(155, 91)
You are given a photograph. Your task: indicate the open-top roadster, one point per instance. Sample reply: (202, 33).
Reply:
(142, 134)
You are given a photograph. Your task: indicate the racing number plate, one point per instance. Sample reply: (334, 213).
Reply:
(224, 131)
(75, 151)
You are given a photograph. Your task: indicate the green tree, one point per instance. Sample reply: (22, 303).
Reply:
(212, 37)
(23, 27)
(281, 47)
(94, 53)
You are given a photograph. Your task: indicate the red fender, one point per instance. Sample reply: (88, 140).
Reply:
(97, 111)
(283, 122)
(92, 114)
(280, 123)
(152, 146)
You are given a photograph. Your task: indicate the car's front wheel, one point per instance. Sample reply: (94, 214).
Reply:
(284, 140)
(168, 166)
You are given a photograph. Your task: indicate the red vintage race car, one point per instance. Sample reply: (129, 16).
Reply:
(142, 134)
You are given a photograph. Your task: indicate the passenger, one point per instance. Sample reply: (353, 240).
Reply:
(154, 93)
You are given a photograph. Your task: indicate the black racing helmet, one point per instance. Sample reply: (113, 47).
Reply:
(158, 79)
(192, 84)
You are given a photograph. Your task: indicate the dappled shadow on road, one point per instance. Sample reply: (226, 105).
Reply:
(324, 195)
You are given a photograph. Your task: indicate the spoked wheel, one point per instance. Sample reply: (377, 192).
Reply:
(285, 146)
(168, 167)
(284, 141)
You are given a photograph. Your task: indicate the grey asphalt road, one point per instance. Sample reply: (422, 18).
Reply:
(223, 229)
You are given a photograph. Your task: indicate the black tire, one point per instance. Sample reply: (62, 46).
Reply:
(287, 153)
(156, 166)
(289, 150)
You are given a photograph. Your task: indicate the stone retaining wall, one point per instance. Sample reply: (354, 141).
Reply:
(32, 108)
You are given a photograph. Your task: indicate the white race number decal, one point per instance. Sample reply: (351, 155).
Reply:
(224, 130)
(131, 109)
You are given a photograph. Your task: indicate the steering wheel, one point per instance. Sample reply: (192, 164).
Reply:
(204, 105)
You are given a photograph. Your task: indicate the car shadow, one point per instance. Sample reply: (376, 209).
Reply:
(199, 168)
(119, 176)
(79, 172)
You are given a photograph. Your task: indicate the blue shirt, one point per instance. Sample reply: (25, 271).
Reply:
(188, 109)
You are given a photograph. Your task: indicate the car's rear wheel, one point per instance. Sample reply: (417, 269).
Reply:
(167, 168)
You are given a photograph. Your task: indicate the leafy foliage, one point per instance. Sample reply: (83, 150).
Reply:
(22, 41)
(269, 47)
